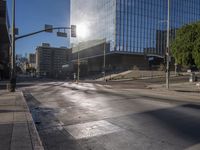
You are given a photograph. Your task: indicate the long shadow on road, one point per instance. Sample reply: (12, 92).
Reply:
(184, 120)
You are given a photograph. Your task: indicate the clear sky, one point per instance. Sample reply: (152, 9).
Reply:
(32, 15)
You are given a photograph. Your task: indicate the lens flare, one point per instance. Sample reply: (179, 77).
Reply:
(82, 30)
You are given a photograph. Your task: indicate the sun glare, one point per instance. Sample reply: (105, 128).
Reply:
(82, 30)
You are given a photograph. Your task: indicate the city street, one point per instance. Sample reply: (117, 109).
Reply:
(93, 116)
(100, 75)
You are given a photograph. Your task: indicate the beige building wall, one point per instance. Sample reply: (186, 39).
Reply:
(49, 60)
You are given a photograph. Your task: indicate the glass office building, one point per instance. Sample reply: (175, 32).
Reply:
(98, 15)
(134, 26)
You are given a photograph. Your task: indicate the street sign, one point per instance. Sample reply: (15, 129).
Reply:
(62, 34)
(73, 30)
(48, 28)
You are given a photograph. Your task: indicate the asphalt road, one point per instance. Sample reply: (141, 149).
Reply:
(92, 116)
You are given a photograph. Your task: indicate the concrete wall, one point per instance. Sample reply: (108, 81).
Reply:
(114, 63)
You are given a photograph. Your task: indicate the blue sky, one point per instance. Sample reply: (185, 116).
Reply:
(32, 15)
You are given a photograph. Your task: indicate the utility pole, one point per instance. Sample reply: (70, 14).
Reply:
(13, 71)
(167, 48)
(78, 66)
(104, 61)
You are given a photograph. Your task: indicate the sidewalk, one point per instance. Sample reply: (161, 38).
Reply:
(186, 89)
(184, 86)
(17, 129)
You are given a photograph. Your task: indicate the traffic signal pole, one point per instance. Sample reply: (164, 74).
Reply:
(104, 60)
(45, 30)
(13, 70)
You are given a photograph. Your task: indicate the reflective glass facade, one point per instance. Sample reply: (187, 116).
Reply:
(97, 15)
(134, 26)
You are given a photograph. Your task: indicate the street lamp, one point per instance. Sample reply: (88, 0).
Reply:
(167, 47)
(104, 60)
(78, 63)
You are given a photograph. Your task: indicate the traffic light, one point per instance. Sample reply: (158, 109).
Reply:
(48, 28)
(73, 30)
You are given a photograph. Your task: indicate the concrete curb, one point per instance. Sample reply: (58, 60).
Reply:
(36, 141)
(172, 95)
(194, 147)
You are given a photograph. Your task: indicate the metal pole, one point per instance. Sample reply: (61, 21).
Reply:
(104, 60)
(13, 73)
(167, 49)
(78, 70)
(37, 32)
(175, 65)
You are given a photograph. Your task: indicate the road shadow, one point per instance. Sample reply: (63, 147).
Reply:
(191, 106)
(184, 123)
(187, 91)
(181, 123)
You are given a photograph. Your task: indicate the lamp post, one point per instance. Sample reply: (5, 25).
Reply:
(78, 67)
(78, 63)
(13, 72)
(167, 47)
(104, 60)
(175, 68)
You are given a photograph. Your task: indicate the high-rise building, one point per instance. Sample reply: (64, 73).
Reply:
(132, 28)
(131, 25)
(49, 60)
(4, 41)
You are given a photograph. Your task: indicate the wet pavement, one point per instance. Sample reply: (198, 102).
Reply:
(89, 116)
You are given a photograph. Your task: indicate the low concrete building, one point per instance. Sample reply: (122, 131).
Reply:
(91, 55)
(49, 60)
